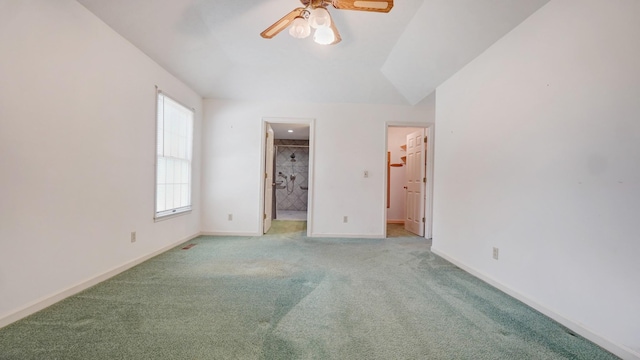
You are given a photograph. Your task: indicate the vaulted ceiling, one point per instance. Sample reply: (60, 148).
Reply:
(214, 46)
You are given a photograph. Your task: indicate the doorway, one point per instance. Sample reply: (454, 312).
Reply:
(287, 186)
(291, 179)
(409, 180)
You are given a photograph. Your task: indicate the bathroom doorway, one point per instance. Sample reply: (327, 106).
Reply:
(409, 180)
(291, 179)
(290, 163)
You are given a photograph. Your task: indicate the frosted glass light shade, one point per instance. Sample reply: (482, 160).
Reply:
(324, 35)
(299, 28)
(319, 17)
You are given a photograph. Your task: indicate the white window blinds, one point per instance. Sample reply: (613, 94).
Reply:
(173, 153)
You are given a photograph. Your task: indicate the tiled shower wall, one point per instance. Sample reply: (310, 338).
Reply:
(293, 198)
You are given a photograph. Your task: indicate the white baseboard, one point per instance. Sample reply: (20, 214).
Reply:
(47, 301)
(229, 233)
(619, 350)
(318, 235)
(392, 221)
(348, 236)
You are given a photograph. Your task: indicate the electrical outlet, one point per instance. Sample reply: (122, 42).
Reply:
(495, 253)
(133, 236)
(230, 217)
(345, 219)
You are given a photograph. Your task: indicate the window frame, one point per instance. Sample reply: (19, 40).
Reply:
(181, 209)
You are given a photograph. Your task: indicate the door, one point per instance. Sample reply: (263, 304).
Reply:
(268, 180)
(416, 182)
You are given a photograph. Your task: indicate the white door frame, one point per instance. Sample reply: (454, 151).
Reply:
(268, 175)
(428, 204)
(310, 192)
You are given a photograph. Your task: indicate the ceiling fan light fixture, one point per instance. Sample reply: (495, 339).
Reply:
(299, 28)
(319, 17)
(314, 14)
(324, 35)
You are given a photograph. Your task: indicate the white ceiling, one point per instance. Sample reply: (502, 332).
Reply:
(298, 131)
(214, 46)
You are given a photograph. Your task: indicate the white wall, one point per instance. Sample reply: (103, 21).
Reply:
(77, 147)
(538, 154)
(349, 138)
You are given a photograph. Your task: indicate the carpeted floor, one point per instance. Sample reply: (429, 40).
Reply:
(286, 296)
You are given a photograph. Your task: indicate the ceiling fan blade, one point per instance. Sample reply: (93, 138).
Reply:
(281, 24)
(335, 31)
(364, 5)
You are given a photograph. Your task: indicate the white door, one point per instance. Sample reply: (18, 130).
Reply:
(268, 180)
(416, 182)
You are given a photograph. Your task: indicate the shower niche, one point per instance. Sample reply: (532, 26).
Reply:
(291, 174)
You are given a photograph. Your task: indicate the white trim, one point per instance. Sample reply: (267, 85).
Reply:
(395, 221)
(47, 301)
(617, 349)
(431, 132)
(348, 236)
(310, 192)
(229, 233)
(173, 214)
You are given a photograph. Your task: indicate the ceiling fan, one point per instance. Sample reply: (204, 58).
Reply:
(315, 15)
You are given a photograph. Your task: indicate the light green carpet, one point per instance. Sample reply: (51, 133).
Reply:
(285, 296)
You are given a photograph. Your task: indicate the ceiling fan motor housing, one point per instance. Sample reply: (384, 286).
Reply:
(316, 3)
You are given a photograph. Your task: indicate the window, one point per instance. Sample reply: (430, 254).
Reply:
(173, 157)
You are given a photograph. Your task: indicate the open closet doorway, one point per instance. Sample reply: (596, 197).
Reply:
(288, 172)
(409, 181)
